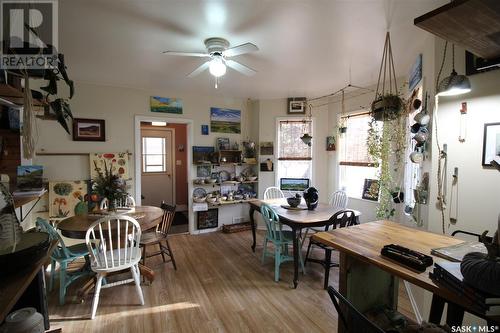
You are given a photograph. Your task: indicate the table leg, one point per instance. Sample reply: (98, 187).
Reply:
(296, 249)
(252, 223)
(437, 308)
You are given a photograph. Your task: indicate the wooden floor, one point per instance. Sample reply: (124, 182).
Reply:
(220, 286)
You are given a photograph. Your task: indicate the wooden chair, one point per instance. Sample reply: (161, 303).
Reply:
(280, 239)
(273, 193)
(63, 255)
(160, 235)
(339, 200)
(352, 320)
(129, 201)
(341, 219)
(113, 251)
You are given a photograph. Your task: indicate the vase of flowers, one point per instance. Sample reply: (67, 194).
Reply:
(110, 186)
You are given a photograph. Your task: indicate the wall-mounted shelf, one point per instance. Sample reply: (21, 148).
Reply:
(15, 95)
(228, 183)
(226, 203)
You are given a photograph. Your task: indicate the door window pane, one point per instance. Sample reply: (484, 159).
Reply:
(153, 154)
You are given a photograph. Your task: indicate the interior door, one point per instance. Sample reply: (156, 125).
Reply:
(158, 179)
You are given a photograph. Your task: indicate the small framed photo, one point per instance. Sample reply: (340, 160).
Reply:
(491, 143)
(266, 148)
(296, 105)
(208, 219)
(371, 189)
(89, 129)
(223, 144)
(204, 129)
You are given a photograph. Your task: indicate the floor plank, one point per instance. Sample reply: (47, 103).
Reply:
(220, 286)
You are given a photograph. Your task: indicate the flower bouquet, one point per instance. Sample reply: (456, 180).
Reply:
(110, 186)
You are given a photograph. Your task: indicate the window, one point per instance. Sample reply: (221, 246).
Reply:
(153, 154)
(355, 162)
(294, 157)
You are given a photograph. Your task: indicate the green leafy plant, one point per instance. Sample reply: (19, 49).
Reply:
(109, 185)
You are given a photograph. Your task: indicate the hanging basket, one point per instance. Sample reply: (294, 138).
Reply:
(387, 104)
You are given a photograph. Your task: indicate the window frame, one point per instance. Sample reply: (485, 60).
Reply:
(144, 155)
(342, 164)
(277, 141)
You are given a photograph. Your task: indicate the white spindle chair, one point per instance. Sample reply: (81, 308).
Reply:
(339, 200)
(129, 201)
(113, 243)
(273, 193)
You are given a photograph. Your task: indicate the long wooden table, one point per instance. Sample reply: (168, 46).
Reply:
(76, 227)
(297, 220)
(368, 280)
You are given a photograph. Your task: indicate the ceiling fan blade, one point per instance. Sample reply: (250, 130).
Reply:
(240, 67)
(240, 49)
(187, 54)
(200, 69)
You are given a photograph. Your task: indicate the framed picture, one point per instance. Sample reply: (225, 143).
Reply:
(296, 105)
(223, 144)
(165, 104)
(204, 129)
(491, 143)
(371, 189)
(118, 162)
(330, 143)
(266, 148)
(415, 74)
(208, 219)
(68, 198)
(202, 154)
(225, 120)
(89, 129)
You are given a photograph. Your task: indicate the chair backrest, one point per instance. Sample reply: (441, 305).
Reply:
(113, 241)
(129, 201)
(352, 320)
(273, 193)
(339, 199)
(167, 218)
(341, 219)
(273, 224)
(60, 251)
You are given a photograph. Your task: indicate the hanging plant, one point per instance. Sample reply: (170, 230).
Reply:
(386, 139)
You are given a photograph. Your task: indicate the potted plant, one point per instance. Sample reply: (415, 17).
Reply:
(387, 107)
(110, 186)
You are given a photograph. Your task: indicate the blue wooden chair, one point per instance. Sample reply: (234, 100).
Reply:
(280, 239)
(64, 255)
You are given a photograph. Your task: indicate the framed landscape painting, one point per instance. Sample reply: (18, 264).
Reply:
(89, 129)
(225, 120)
(165, 104)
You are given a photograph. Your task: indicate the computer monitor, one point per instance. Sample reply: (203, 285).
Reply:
(294, 184)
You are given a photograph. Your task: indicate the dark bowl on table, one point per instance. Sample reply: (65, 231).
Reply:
(293, 201)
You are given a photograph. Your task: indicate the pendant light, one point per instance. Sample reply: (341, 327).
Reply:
(454, 84)
(306, 137)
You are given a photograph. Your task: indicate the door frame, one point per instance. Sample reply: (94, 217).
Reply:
(137, 149)
(172, 160)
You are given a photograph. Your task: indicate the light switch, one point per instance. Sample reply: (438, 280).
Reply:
(178, 162)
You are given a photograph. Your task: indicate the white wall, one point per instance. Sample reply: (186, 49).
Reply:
(118, 106)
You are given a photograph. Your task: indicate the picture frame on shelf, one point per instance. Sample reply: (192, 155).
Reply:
(208, 219)
(491, 143)
(203, 154)
(267, 148)
(371, 189)
(223, 144)
(89, 129)
(296, 105)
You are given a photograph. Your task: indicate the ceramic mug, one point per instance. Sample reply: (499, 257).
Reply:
(422, 135)
(416, 157)
(422, 118)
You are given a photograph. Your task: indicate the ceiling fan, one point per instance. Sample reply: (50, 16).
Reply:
(219, 52)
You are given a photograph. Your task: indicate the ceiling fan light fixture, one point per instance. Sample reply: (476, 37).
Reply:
(217, 67)
(454, 85)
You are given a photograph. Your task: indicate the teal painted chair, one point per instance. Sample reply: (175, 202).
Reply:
(280, 239)
(64, 255)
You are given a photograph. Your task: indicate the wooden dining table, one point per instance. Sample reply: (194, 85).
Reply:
(76, 227)
(296, 220)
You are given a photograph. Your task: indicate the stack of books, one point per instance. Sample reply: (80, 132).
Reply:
(448, 275)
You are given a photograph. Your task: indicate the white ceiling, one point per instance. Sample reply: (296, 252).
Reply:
(306, 47)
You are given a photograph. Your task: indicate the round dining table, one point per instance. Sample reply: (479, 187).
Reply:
(76, 227)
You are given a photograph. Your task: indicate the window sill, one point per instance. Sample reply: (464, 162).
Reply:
(363, 200)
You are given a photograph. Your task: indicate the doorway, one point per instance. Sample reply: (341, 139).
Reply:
(163, 169)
